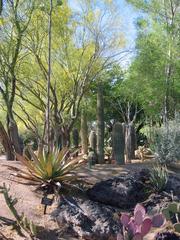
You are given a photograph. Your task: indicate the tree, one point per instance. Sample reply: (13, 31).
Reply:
(5, 141)
(157, 52)
(13, 27)
(78, 58)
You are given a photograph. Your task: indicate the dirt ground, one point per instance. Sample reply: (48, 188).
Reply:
(29, 201)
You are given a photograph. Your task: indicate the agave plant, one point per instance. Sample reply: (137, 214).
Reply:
(51, 167)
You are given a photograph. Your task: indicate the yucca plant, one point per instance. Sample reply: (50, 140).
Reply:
(51, 167)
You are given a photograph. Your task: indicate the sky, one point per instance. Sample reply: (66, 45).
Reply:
(128, 17)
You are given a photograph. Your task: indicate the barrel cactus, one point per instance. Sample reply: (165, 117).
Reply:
(75, 137)
(118, 142)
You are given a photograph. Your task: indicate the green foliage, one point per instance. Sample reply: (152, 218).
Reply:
(159, 178)
(157, 48)
(51, 167)
(167, 142)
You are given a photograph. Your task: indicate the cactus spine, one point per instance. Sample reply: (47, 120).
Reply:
(118, 142)
(75, 137)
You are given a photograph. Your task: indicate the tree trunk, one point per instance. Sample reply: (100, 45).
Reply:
(100, 124)
(84, 132)
(13, 131)
(65, 137)
(5, 141)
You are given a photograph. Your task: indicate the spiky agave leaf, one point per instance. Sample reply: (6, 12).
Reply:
(54, 166)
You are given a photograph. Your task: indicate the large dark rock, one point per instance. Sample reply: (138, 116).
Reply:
(123, 192)
(87, 219)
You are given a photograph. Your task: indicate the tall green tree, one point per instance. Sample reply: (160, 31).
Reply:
(155, 71)
(80, 52)
(13, 27)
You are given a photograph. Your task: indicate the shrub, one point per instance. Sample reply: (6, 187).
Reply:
(167, 142)
(159, 178)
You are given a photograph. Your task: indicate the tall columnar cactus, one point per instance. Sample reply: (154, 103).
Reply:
(84, 132)
(100, 124)
(130, 142)
(75, 137)
(93, 140)
(118, 142)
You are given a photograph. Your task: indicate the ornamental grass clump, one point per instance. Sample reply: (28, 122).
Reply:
(51, 167)
(139, 225)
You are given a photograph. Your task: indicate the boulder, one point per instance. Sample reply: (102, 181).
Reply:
(87, 219)
(122, 192)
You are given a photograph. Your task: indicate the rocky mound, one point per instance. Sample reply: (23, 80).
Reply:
(122, 192)
(87, 219)
(94, 218)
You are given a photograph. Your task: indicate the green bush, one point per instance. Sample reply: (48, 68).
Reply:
(167, 142)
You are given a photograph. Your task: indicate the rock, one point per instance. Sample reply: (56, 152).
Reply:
(122, 192)
(87, 219)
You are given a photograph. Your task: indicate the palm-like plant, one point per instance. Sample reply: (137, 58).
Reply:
(51, 167)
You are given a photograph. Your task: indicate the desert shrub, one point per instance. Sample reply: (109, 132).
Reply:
(159, 178)
(167, 142)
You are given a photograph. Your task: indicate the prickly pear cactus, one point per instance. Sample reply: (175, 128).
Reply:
(118, 142)
(93, 140)
(137, 226)
(172, 211)
(75, 137)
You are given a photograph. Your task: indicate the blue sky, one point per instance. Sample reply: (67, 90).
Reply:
(128, 16)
